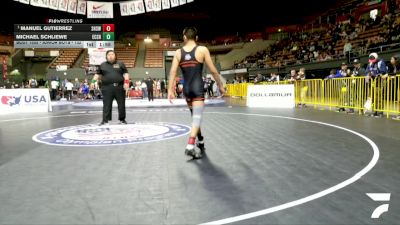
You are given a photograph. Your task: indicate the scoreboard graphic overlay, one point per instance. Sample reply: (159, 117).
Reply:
(64, 35)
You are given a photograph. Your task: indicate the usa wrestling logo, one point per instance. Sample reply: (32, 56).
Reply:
(10, 100)
(93, 135)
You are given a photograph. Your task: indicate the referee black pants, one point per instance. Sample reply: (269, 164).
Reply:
(150, 94)
(111, 92)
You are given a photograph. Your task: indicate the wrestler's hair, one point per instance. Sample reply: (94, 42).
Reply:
(190, 33)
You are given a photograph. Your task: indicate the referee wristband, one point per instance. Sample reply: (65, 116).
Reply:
(126, 81)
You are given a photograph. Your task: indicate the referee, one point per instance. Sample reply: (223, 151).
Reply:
(115, 80)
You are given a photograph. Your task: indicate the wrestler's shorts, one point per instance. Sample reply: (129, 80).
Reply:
(194, 92)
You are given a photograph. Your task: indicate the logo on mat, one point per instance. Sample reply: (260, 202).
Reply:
(93, 135)
(10, 100)
(379, 197)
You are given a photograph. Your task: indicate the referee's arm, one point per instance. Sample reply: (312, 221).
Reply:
(125, 74)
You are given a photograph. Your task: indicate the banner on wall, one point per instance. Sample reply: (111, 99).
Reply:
(124, 8)
(132, 8)
(35, 2)
(149, 5)
(103, 10)
(45, 3)
(53, 4)
(63, 5)
(72, 5)
(81, 8)
(174, 3)
(152, 5)
(139, 7)
(100, 10)
(165, 4)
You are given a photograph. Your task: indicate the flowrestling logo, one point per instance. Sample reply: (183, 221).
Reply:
(93, 135)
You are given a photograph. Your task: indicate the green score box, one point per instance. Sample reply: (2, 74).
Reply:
(108, 36)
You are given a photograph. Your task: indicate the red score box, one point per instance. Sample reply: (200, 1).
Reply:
(108, 27)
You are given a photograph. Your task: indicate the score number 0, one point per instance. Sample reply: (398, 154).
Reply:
(108, 32)
(108, 27)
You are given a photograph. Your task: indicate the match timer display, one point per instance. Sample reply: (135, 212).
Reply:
(64, 35)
